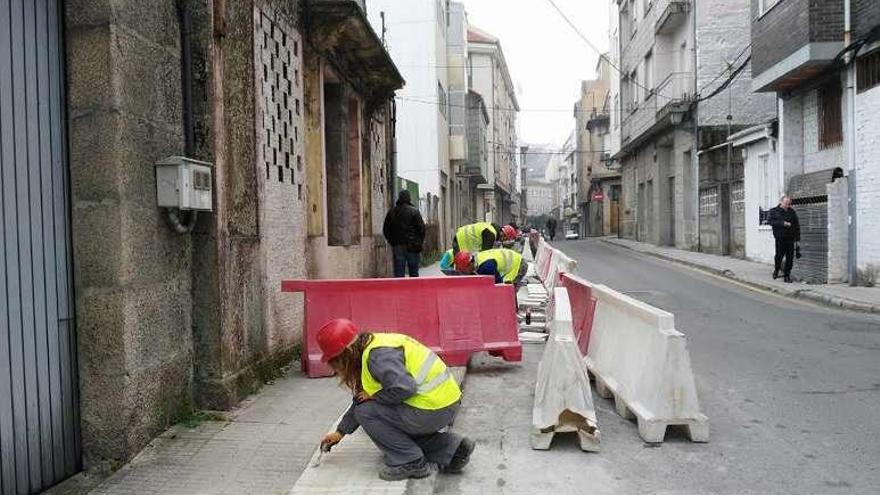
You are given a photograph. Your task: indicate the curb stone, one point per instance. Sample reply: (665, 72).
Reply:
(807, 294)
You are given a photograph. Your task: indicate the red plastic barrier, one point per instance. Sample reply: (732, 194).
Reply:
(583, 307)
(544, 264)
(454, 316)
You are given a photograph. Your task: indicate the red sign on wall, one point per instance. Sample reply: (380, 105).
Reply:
(598, 196)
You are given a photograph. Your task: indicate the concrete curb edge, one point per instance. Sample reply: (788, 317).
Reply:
(807, 294)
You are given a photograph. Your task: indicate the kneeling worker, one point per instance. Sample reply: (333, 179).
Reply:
(481, 236)
(403, 396)
(505, 265)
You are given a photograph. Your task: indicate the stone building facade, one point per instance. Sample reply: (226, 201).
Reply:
(175, 312)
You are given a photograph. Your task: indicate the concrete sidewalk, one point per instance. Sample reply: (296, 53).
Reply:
(263, 447)
(758, 275)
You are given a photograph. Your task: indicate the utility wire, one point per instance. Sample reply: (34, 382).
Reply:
(722, 73)
(602, 56)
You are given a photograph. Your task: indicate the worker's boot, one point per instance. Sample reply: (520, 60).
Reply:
(461, 457)
(775, 273)
(415, 469)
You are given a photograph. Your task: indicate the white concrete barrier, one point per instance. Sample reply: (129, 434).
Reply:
(559, 263)
(638, 357)
(563, 401)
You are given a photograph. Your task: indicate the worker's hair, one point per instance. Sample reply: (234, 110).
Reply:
(348, 364)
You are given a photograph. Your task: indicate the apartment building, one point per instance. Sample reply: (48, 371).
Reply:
(668, 124)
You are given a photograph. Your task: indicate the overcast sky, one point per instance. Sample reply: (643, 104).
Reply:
(546, 58)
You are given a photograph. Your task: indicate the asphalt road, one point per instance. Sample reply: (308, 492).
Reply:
(792, 392)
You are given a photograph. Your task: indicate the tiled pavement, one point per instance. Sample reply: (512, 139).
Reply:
(263, 449)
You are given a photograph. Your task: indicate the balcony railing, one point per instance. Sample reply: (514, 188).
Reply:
(671, 15)
(670, 98)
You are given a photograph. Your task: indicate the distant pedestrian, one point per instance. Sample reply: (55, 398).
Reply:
(405, 230)
(551, 228)
(787, 231)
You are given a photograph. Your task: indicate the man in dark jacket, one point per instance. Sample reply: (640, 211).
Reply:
(787, 231)
(551, 228)
(405, 231)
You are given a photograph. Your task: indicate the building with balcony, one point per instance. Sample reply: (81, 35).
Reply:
(488, 75)
(665, 116)
(828, 102)
(474, 175)
(595, 173)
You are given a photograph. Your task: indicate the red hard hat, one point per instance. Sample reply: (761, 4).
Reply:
(463, 261)
(334, 337)
(509, 232)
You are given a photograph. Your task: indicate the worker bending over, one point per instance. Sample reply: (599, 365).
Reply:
(404, 395)
(481, 236)
(506, 265)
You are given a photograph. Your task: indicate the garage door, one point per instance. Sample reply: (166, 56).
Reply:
(39, 440)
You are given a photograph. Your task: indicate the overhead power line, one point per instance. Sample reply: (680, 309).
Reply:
(602, 55)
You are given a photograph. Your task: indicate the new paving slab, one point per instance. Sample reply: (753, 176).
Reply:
(353, 466)
(864, 299)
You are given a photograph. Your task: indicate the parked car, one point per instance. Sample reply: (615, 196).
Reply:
(571, 234)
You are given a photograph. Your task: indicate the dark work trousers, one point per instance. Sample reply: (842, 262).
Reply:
(784, 248)
(404, 260)
(405, 434)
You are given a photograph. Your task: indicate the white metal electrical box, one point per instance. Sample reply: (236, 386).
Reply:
(184, 183)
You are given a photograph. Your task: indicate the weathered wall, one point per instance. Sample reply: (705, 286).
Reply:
(280, 176)
(816, 159)
(723, 31)
(132, 274)
(838, 231)
(868, 185)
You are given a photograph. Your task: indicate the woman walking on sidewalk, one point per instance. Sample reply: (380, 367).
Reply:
(404, 395)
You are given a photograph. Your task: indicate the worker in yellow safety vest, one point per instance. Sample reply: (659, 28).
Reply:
(506, 265)
(481, 236)
(404, 395)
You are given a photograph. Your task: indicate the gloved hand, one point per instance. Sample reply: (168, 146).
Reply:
(797, 251)
(330, 440)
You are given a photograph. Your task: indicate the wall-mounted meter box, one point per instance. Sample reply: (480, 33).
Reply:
(184, 184)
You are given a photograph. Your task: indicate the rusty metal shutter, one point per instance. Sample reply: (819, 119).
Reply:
(813, 265)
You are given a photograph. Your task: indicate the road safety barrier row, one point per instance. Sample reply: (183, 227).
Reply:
(563, 400)
(454, 316)
(638, 357)
(551, 263)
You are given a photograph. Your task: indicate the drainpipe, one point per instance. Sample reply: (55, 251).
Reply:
(696, 129)
(850, 139)
(179, 221)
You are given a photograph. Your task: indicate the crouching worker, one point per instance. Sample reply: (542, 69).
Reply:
(505, 265)
(404, 395)
(447, 263)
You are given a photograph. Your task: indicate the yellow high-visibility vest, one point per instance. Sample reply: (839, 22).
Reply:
(507, 260)
(470, 237)
(437, 387)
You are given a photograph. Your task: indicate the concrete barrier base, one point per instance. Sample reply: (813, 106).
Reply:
(651, 429)
(563, 400)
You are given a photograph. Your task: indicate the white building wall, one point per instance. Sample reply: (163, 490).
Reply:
(614, 89)
(868, 184)
(762, 190)
(412, 39)
(416, 39)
